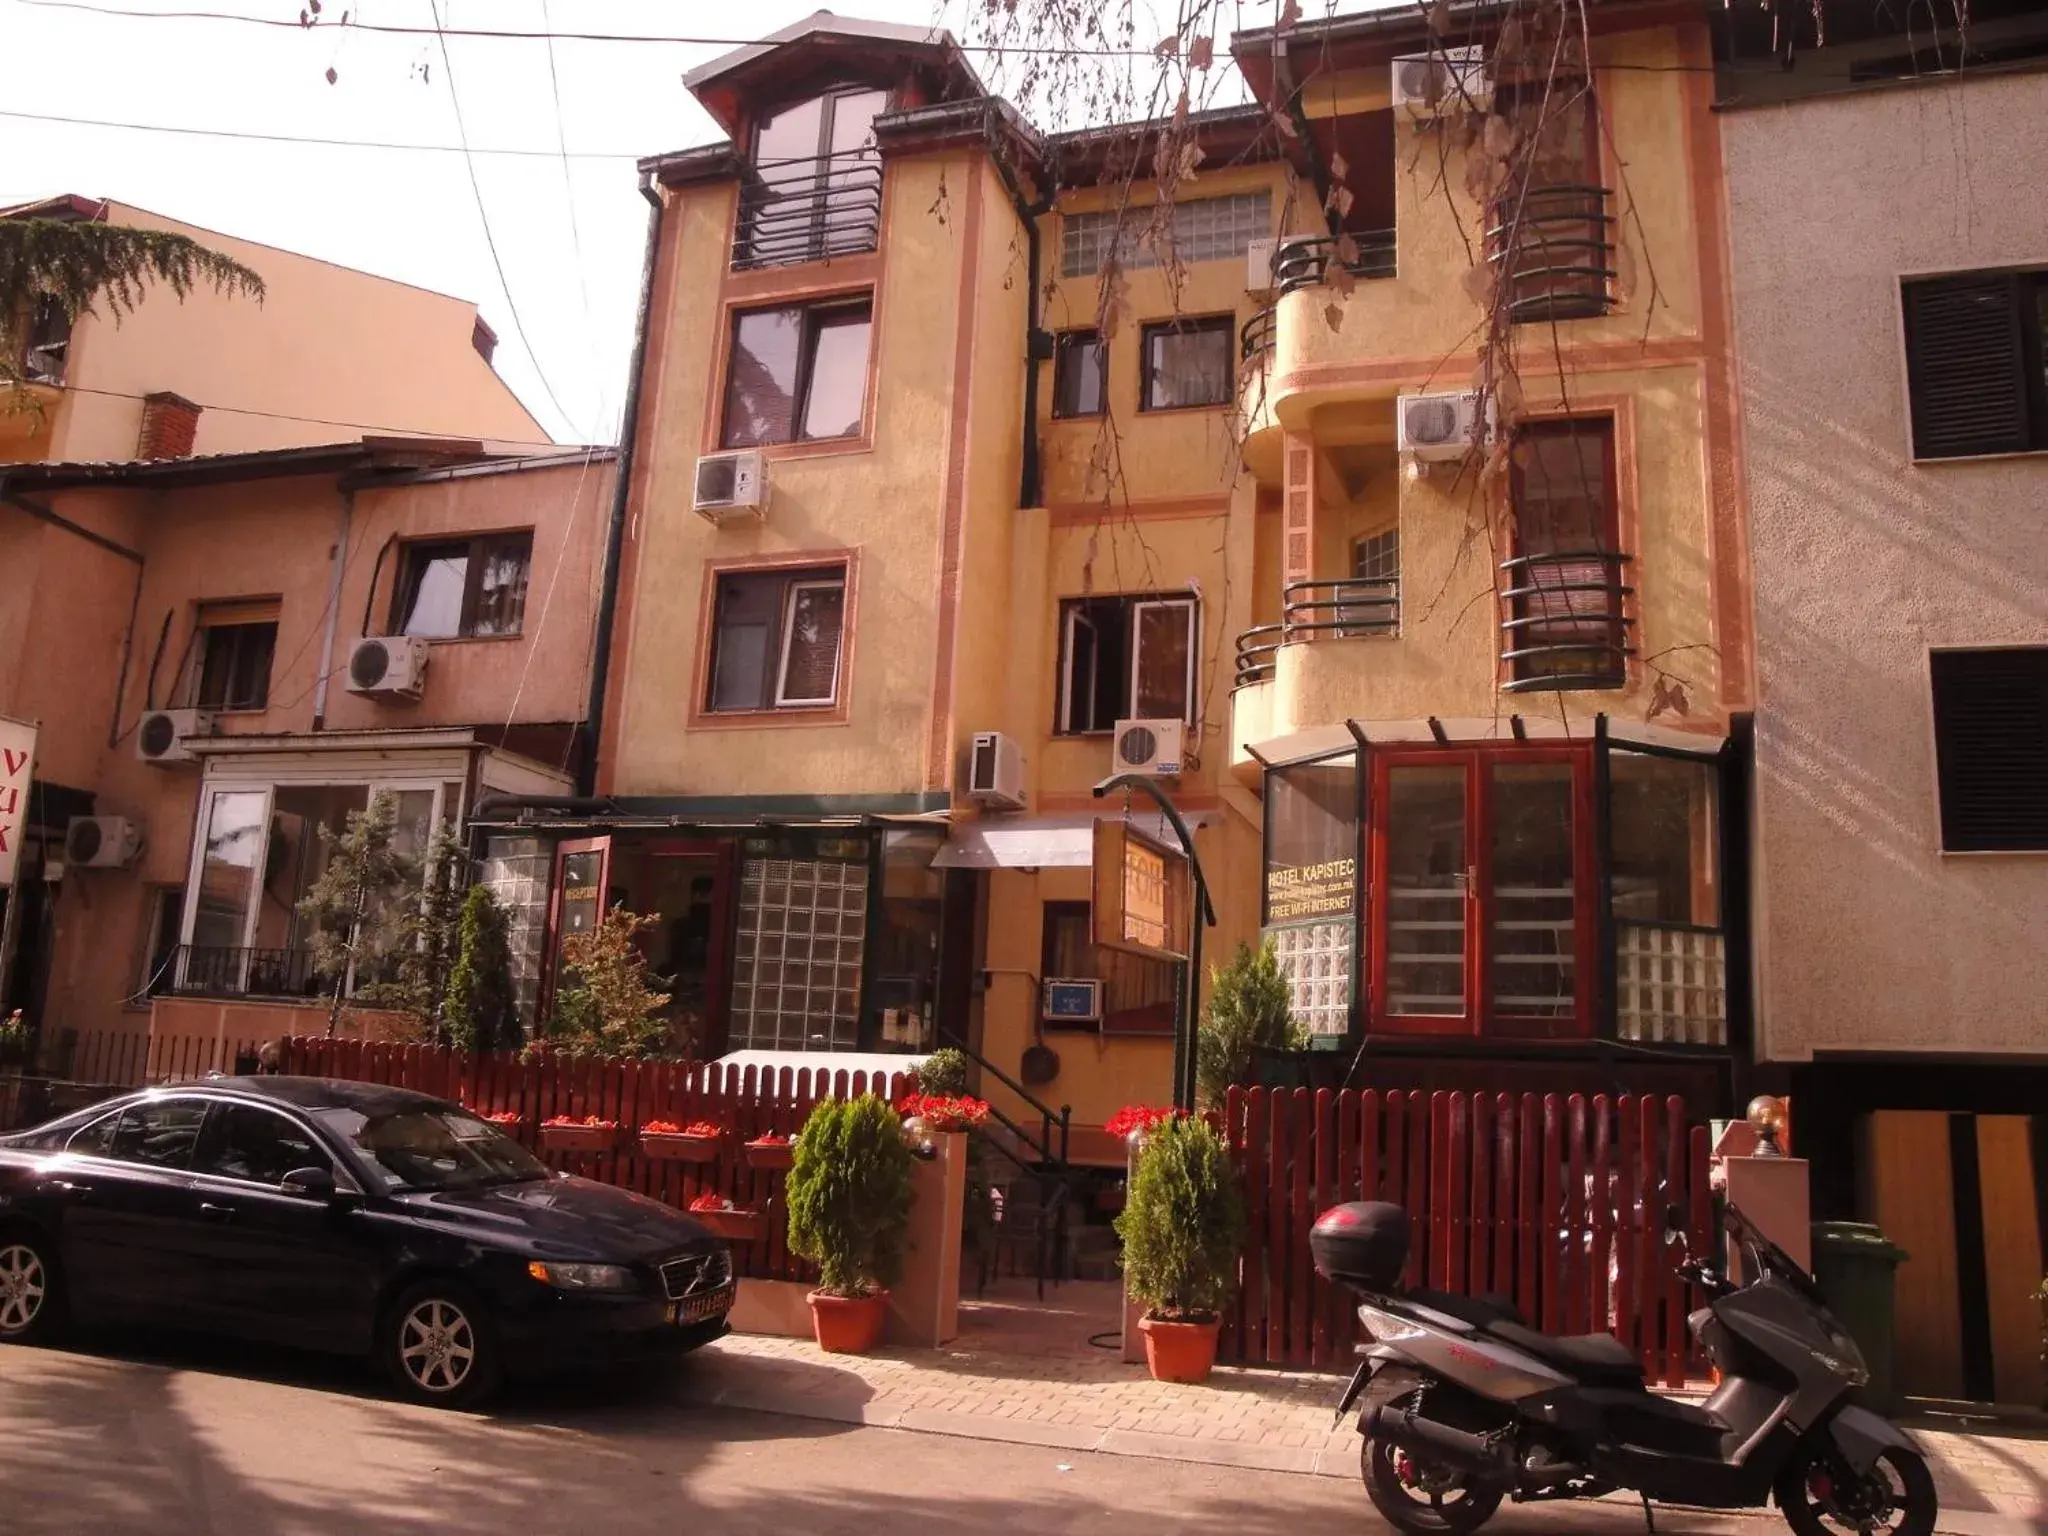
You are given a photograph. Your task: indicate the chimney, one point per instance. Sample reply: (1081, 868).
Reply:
(169, 423)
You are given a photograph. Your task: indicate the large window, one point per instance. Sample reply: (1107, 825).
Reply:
(1565, 624)
(814, 186)
(463, 588)
(1664, 898)
(232, 655)
(1990, 748)
(1977, 363)
(1079, 374)
(1187, 363)
(1312, 887)
(1127, 658)
(1138, 992)
(49, 340)
(777, 639)
(797, 374)
(1550, 227)
(1198, 229)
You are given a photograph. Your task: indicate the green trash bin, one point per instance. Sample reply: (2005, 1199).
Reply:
(1856, 1266)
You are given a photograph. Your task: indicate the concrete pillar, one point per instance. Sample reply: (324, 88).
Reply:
(1775, 1194)
(924, 1306)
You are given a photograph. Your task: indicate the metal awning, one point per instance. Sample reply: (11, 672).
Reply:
(1048, 842)
(1479, 730)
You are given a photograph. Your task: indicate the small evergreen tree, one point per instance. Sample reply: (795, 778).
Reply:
(420, 937)
(849, 1195)
(1183, 1222)
(604, 1006)
(356, 906)
(944, 1072)
(480, 1012)
(1250, 1008)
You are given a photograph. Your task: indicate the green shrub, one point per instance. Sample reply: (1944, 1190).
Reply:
(943, 1073)
(481, 1009)
(849, 1195)
(604, 1006)
(1250, 1008)
(1182, 1223)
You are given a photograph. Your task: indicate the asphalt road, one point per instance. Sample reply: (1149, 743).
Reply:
(168, 1439)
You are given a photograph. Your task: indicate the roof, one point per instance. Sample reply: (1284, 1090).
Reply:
(821, 24)
(368, 454)
(316, 1093)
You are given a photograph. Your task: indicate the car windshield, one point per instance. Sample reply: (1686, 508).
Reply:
(425, 1148)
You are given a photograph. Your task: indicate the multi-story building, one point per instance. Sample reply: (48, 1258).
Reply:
(1890, 278)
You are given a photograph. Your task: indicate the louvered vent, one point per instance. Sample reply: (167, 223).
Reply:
(1991, 749)
(1966, 365)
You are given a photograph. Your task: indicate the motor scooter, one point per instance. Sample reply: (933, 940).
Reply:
(1462, 1405)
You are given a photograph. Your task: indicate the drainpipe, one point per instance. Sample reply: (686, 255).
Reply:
(615, 536)
(1037, 345)
(333, 622)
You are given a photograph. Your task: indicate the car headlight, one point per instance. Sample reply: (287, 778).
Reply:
(582, 1277)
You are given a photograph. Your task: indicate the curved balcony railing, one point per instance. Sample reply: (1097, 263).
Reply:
(1347, 608)
(1555, 252)
(1257, 650)
(795, 211)
(1256, 336)
(1567, 624)
(1304, 263)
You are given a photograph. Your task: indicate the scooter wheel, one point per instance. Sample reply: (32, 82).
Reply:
(1413, 1495)
(1897, 1499)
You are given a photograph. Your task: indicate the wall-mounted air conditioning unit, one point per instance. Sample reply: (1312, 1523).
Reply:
(1258, 266)
(1428, 85)
(388, 667)
(731, 485)
(1151, 747)
(101, 842)
(1070, 1000)
(1442, 426)
(161, 735)
(995, 772)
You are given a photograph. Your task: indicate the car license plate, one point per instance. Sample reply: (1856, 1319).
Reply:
(698, 1309)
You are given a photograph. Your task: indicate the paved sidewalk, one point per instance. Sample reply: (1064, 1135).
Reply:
(1026, 1374)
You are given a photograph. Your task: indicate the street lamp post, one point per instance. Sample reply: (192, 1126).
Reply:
(1205, 916)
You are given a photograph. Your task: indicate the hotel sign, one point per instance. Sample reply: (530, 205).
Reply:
(1305, 892)
(17, 764)
(1141, 895)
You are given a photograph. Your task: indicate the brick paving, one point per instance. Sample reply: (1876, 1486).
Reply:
(1026, 1373)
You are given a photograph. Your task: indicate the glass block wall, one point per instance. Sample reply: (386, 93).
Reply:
(1316, 960)
(796, 964)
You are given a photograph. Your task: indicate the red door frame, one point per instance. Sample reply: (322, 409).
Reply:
(551, 944)
(1480, 1019)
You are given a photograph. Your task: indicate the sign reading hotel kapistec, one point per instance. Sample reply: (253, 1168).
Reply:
(1301, 892)
(17, 763)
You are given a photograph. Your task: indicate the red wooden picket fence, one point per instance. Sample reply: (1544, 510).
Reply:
(124, 1059)
(1505, 1194)
(749, 1103)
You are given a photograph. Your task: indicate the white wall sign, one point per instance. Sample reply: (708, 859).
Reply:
(17, 762)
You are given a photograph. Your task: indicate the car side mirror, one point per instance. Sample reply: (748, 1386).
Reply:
(309, 1183)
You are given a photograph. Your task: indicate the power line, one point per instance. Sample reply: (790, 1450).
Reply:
(317, 421)
(294, 138)
(575, 227)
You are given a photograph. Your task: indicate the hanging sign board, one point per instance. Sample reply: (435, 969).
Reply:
(1141, 895)
(17, 762)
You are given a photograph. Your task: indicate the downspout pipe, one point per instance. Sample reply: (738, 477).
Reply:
(615, 535)
(332, 623)
(1037, 345)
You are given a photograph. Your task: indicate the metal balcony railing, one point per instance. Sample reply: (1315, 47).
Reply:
(204, 970)
(1257, 649)
(1567, 623)
(1304, 263)
(1346, 608)
(1554, 252)
(1255, 338)
(794, 211)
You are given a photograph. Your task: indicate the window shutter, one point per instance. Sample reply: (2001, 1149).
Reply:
(1965, 366)
(1991, 749)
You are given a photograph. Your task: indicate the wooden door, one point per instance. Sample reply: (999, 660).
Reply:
(1911, 1196)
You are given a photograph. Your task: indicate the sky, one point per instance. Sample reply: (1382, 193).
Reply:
(552, 256)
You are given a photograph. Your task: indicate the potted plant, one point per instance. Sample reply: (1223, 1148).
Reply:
(849, 1213)
(504, 1119)
(1182, 1226)
(696, 1142)
(729, 1221)
(938, 1114)
(591, 1133)
(1248, 1027)
(771, 1152)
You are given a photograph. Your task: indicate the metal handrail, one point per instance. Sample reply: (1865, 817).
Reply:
(1258, 335)
(1572, 271)
(1590, 639)
(793, 211)
(1256, 656)
(1304, 263)
(1047, 1116)
(1348, 607)
(206, 970)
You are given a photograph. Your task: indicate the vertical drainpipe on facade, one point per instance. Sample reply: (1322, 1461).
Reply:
(333, 621)
(1037, 346)
(615, 535)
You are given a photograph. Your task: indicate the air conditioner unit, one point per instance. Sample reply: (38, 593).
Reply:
(101, 842)
(1149, 746)
(1442, 426)
(1070, 1000)
(995, 772)
(1428, 85)
(731, 485)
(1259, 257)
(161, 734)
(388, 667)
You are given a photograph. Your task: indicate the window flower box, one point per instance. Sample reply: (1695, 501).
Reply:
(729, 1221)
(771, 1154)
(506, 1120)
(588, 1135)
(697, 1142)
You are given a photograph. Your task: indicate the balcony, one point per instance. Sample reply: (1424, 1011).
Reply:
(1567, 623)
(796, 211)
(1256, 336)
(1556, 258)
(203, 970)
(1345, 609)
(1304, 263)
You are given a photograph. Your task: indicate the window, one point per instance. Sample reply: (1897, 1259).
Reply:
(166, 922)
(1127, 658)
(49, 340)
(1079, 374)
(160, 1134)
(1187, 363)
(1562, 253)
(1138, 992)
(1565, 624)
(1312, 886)
(235, 644)
(1990, 745)
(777, 639)
(799, 943)
(1375, 562)
(814, 189)
(463, 588)
(1977, 363)
(798, 374)
(257, 1146)
(1201, 229)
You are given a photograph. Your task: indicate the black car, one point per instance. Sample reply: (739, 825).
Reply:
(350, 1218)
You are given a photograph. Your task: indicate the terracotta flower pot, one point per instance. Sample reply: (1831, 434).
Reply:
(735, 1226)
(674, 1147)
(579, 1138)
(848, 1325)
(771, 1156)
(1184, 1352)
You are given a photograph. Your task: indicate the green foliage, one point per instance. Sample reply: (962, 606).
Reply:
(418, 934)
(944, 1072)
(604, 1006)
(849, 1195)
(480, 1011)
(357, 906)
(1183, 1222)
(13, 1040)
(1249, 1009)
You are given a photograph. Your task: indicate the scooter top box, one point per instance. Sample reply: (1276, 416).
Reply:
(1363, 1243)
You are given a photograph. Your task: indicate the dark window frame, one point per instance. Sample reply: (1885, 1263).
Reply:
(2017, 381)
(775, 661)
(1069, 350)
(814, 313)
(225, 673)
(1223, 325)
(1992, 759)
(413, 558)
(1065, 695)
(1607, 538)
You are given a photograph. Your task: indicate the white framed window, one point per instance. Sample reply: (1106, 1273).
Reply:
(1128, 657)
(814, 616)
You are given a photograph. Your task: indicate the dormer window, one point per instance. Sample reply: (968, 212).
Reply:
(814, 182)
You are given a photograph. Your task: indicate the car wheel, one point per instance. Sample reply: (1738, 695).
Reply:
(31, 1288)
(439, 1346)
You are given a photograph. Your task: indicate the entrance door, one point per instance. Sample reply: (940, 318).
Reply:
(582, 877)
(685, 885)
(1482, 865)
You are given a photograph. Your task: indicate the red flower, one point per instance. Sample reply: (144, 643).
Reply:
(590, 1120)
(944, 1111)
(710, 1202)
(706, 1129)
(771, 1139)
(1140, 1117)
